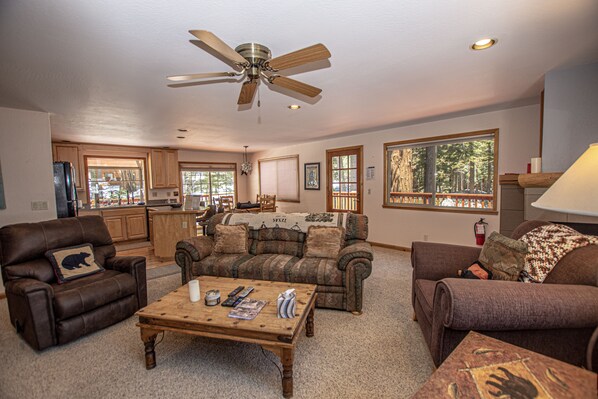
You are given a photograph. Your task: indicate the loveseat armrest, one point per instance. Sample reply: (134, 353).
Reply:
(435, 261)
(361, 250)
(483, 305)
(135, 266)
(192, 250)
(31, 311)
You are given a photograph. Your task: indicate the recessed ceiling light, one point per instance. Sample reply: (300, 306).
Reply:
(294, 107)
(182, 130)
(483, 44)
(180, 137)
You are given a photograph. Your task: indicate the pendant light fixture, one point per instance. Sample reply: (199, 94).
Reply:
(246, 165)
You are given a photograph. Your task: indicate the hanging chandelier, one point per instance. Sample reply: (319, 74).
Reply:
(246, 165)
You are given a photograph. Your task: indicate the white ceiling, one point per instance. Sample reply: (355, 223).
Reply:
(100, 66)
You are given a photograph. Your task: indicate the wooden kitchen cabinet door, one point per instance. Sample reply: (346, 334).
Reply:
(116, 227)
(136, 226)
(158, 169)
(172, 168)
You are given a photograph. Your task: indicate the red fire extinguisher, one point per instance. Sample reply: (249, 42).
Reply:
(479, 229)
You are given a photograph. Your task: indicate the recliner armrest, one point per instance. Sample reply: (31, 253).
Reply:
(463, 304)
(31, 311)
(135, 266)
(435, 261)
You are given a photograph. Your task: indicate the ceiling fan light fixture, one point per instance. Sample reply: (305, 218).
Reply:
(483, 44)
(294, 107)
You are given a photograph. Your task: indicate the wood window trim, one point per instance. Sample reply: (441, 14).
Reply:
(199, 164)
(348, 150)
(86, 165)
(259, 164)
(493, 211)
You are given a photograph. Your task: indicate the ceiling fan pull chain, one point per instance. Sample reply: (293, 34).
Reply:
(258, 97)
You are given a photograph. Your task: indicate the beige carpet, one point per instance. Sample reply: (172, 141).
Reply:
(379, 354)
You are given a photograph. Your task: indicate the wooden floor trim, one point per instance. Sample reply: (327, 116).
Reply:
(389, 246)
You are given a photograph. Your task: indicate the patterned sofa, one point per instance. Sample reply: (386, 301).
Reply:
(276, 247)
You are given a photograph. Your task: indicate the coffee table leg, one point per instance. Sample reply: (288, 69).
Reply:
(309, 325)
(148, 336)
(287, 372)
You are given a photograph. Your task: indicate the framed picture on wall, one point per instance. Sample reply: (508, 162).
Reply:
(312, 176)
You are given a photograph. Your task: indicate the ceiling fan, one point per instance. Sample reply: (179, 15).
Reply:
(255, 63)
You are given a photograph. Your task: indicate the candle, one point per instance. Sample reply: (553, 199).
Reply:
(536, 165)
(194, 290)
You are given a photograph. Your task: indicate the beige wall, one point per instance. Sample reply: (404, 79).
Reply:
(26, 158)
(518, 142)
(210, 156)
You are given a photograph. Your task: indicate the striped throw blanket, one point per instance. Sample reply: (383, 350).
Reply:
(293, 221)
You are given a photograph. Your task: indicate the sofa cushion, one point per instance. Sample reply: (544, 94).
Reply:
(273, 267)
(220, 265)
(424, 293)
(73, 262)
(504, 256)
(231, 239)
(319, 271)
(324, 242)
(276, 241)
(88, 293)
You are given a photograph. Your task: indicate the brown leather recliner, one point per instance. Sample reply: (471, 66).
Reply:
(46, 313)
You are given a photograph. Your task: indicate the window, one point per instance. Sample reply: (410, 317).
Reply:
(115, 181)
(210, 181)
(456, 172)
(280, 177)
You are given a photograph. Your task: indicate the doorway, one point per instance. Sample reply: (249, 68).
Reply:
(344, 177)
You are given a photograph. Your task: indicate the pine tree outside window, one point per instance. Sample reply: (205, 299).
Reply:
(454, 173)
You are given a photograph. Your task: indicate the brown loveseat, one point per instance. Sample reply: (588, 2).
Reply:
(47, 313)
(555, 318)
(277, 254)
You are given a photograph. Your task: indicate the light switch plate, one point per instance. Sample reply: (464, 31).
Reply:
(39, 205)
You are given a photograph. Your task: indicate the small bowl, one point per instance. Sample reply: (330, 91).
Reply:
(176, 205)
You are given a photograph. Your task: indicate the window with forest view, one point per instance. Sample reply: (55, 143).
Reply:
(115, 181)
(208, 181)
(456, 172)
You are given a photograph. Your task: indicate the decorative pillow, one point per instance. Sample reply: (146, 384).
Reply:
(231, 239)
(476, 271)
(73, 262)
(547, 245)
(323, 242)
(503, 256)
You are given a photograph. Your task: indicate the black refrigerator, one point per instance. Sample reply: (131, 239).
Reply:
(66, 192)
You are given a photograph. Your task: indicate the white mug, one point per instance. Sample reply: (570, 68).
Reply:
(194, 290)
(536, 165)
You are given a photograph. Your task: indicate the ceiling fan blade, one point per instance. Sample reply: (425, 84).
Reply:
(247, 92)
(193, 76)
(295, 85)
(218, 45)
(309, 54)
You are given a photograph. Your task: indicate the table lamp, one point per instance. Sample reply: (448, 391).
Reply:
(576, 191)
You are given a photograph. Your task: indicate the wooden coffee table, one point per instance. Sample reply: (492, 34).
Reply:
(175, 312)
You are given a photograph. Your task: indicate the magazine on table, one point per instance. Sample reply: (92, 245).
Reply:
(248, 309)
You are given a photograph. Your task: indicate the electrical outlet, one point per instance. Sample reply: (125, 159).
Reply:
(425, 237)
(168, 193)
(154, 194)
(369, 191)
(39, 205)
(184, 225)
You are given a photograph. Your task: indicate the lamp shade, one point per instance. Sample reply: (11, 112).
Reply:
(576, 191)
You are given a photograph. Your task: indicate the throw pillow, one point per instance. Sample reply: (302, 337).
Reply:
(504, 256)
(231, 239)
(73, 262)
(476, 271)
(323, 242)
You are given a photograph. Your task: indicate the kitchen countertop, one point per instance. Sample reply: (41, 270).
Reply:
(174, 211)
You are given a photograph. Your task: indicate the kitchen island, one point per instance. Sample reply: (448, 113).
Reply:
(169, 226)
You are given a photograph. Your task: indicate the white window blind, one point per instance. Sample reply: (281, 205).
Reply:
(280, 176)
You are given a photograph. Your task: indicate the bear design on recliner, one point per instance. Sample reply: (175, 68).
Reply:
(75, 261)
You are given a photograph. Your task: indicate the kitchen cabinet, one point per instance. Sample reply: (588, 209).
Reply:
(70, 153)
(126, 223)
(164, 168)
